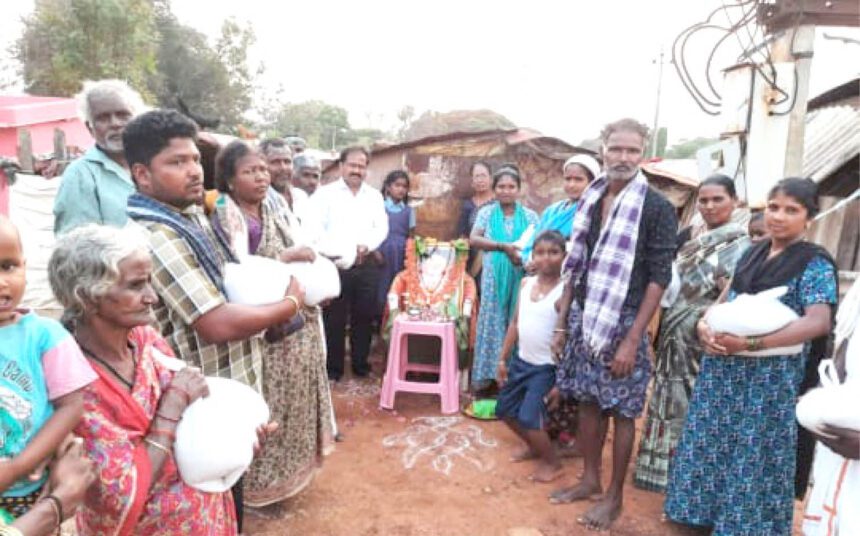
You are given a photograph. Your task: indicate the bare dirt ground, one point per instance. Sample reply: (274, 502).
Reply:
(415, 472)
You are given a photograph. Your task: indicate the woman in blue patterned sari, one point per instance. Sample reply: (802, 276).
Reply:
(733, 470)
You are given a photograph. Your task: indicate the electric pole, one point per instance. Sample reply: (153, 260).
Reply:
(655, 130)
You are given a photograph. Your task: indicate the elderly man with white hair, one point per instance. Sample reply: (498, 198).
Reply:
(96, 186)
(306, 172)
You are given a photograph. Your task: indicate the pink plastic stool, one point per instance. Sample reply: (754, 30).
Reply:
(398, 364)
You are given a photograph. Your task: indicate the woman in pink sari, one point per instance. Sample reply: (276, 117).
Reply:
(101, 276)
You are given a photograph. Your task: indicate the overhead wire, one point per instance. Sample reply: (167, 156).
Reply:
(746, 17)
(793, 55)
(710, 103)
(705, 103)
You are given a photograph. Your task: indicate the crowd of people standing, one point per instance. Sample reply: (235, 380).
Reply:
(566, 298)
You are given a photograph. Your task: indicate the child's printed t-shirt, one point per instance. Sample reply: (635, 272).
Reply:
(39, 362)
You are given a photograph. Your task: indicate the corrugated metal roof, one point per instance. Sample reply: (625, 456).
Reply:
(832, 137)
(849, 89)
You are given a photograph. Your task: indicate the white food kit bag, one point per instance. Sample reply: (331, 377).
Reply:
(216, 434)
(215, 438)
(834, 404)
(261, 281)
(753, 315)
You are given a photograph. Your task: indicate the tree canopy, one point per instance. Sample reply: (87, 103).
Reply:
(65, 42)
(212, 84)
(688, 148)
(321, 124)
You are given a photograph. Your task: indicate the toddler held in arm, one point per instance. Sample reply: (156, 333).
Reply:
(42, 374)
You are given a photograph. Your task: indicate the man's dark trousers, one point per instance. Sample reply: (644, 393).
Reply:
(356, 305)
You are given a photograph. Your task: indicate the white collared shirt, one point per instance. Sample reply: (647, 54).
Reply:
(302, 216)
(347, 218)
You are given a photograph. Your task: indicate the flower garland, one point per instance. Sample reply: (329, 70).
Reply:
(419, 248)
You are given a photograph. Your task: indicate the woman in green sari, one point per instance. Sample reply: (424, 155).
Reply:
(497, 228)
(705, 263)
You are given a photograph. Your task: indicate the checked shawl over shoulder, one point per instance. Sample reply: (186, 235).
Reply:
(141, 207)
(610, 264)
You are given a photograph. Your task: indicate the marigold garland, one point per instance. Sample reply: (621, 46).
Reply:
(417, 247)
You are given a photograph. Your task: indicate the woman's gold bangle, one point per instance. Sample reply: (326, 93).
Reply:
(56, 505)
(157, 445)
(753, 344)
(295, 301)
(559, 330)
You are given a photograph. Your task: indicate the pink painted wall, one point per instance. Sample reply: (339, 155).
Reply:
(4, 194)
(40, 115)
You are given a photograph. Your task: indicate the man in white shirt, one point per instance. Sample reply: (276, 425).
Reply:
(352, 222)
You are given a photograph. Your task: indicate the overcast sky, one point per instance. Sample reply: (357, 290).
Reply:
(564, 68)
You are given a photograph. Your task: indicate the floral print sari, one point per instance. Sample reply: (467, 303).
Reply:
(124, 501)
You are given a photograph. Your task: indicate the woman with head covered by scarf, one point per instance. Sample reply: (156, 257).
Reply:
(578, 172)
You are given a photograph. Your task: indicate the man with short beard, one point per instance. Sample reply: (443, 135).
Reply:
(96, 186)
(353, 223)
(620, 261)
(279, 161)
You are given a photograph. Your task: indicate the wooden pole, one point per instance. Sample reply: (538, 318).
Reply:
(777, 117)
(60, 145)
(25, 150)
(796, 45)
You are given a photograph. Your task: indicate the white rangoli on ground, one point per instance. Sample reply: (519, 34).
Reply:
(357, 389)
(443, 440)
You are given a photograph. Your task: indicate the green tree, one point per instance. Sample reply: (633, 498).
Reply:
(405, 116)
(67, 41)
(190, 74)
(319, 123)
(232, 49)
(592, 144)
(662, 139)
(362, 136)
(432, 123)
(212, 84)
(688, 148)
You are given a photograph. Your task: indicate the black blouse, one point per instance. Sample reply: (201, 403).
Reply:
(655, 247)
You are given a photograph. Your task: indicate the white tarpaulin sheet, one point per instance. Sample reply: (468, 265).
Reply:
(31, 208)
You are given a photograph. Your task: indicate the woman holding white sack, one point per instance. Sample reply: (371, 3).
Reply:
(101, 275)
(734, 466)
(833, 507)
(703, 266)
(295, 383)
